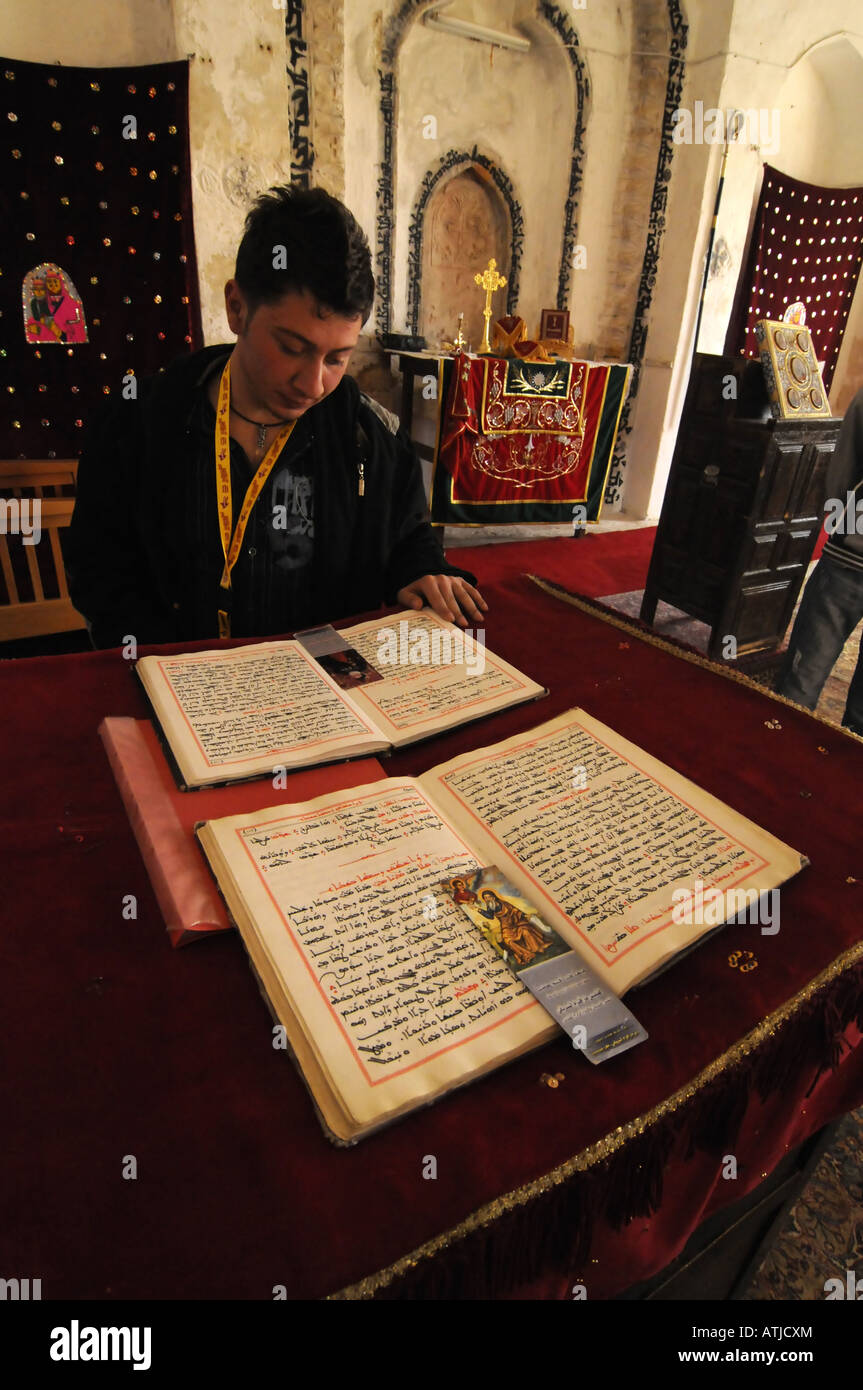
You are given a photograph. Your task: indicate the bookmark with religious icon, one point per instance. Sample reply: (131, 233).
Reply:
(338, 658)
(596, 1020)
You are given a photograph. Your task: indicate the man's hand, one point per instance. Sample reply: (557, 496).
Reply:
(447, 595)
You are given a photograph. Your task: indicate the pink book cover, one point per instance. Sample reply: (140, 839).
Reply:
(163, 819)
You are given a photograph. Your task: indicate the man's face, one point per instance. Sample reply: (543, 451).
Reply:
(289, 354)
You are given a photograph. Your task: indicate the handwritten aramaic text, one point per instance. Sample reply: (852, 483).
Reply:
(353, 883)
(259, 705)
(607, 852)
(411, 694)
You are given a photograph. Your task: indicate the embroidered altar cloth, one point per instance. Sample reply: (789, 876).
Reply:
(525, 441)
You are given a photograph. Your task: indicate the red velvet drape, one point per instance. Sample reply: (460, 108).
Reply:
(807, 246)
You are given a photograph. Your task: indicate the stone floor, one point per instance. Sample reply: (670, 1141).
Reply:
(671, 622)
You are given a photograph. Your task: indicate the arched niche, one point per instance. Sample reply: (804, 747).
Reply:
(821, 110)
(466, 222)
(437, 91)
(465, 212)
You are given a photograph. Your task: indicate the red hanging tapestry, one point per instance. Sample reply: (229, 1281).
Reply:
(806, 247)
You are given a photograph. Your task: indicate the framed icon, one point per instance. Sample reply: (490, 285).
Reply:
(554, 323)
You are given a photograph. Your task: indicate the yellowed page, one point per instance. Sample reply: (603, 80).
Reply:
(441, 676)
(399, 997)
(601, 836)
(234, 713)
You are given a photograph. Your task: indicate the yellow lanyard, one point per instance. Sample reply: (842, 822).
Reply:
(231, 543)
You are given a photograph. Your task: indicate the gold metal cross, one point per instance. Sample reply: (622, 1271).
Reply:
(490, 281)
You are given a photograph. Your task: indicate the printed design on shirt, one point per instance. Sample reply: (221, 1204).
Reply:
(292, 534)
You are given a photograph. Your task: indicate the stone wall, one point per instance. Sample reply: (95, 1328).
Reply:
(327, 51)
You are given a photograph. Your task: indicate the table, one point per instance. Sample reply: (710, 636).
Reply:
(413, 365)
(125, 1049)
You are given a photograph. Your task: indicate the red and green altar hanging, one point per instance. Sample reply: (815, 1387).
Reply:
(524, 441)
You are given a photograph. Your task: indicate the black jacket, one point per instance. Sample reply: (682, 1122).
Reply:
(131, 551)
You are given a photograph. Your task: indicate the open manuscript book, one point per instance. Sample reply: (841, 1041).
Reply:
(388, 996)
(245, 711)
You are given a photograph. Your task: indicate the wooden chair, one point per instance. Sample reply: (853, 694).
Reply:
(36, 599)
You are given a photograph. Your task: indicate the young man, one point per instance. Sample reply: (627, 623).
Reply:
(254, 491)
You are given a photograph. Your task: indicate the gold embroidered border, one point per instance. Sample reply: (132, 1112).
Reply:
(482, 433)
(508, 502)
(594, 608)
(603, 1148)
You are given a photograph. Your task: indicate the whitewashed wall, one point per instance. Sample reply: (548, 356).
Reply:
(801, 61)
(475, 102)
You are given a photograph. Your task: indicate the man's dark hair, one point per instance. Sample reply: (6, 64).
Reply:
(299, 239)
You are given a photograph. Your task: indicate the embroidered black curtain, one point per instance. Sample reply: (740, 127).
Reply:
(95, 183)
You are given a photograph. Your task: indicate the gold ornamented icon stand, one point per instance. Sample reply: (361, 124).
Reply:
(490, 281)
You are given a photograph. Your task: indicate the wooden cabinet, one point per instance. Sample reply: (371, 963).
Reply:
(742, 511)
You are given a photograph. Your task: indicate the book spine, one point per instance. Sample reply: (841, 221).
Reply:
(189, 902)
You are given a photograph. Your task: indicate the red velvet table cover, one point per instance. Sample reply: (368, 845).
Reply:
(123, 1048)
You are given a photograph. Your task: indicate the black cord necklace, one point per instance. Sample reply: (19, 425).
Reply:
(262, 429)
(256, 423)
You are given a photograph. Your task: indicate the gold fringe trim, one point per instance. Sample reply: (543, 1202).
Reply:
(594, 608)
(612, 1143)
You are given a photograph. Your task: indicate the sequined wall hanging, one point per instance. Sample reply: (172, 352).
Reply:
(806, 247)
(98, 248)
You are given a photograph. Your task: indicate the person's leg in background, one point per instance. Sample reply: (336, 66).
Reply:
(853, 716)
(831, 608)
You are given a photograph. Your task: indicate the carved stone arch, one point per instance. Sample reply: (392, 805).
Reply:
(449, 165)
(394, 35)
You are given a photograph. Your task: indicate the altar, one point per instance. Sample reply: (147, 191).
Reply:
(517, 441)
